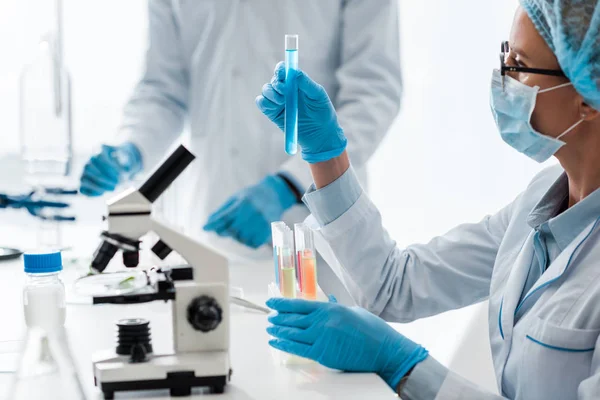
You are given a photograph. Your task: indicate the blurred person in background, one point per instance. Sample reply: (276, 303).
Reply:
(203, 64)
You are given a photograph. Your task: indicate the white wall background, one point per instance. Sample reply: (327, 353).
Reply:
(442, 163)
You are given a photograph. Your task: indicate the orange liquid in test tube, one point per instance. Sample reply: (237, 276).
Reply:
(309, 275)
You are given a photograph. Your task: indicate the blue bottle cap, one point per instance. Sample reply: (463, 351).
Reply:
(42, 263)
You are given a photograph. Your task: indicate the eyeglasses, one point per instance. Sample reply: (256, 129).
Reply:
(505, 50)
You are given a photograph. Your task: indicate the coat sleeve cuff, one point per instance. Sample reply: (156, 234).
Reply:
(329, 203)
(425, 380)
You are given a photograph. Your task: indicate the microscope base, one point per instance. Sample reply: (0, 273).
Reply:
(179, 384)
(178, 373)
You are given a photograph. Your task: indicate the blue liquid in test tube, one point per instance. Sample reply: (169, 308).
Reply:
(291, 94)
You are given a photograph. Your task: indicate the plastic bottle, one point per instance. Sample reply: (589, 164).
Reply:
(44, 292)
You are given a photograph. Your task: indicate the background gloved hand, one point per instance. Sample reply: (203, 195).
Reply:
(37, 206)
(104, 171)
(339, 337)
(247, 215)
(319, 134)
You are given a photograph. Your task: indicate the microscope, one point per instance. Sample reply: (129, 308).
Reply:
(198, 292)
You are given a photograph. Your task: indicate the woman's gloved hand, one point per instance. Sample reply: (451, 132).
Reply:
(339, 337)
(319, 134)
(247, 215)
(104, 171)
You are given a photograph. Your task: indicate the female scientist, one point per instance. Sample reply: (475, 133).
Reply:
(537, 260)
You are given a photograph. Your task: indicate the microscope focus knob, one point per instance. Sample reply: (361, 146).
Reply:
(204, 313)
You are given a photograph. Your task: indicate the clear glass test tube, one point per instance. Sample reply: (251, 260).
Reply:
(307, 261)
(288, 273)
(291, 94)
(277, 235)
(288, 266)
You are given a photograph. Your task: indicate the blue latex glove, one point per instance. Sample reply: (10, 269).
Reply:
(104, 171)
(319, 134)
(37, 207)
(247, 215)
(339, 337)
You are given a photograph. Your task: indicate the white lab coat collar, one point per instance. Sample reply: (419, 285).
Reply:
(562, 262)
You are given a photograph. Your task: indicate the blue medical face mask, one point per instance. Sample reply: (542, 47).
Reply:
(512, 104)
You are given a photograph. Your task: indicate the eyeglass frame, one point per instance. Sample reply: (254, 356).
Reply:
(505, 48)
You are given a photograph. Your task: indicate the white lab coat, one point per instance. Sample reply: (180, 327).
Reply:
(206, 62)
(552, 352)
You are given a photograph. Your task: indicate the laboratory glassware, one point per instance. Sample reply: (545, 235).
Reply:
(306, 262)
(46, 369)
(45, 127)
(45, 108)
(291, 94)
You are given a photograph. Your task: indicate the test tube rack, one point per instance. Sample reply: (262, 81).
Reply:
(294, 260)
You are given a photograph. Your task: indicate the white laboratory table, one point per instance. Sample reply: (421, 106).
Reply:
(256, 375)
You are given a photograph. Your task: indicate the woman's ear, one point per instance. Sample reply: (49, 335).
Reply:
(587, 112)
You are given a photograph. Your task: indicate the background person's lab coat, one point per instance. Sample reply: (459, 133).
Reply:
(206, 62)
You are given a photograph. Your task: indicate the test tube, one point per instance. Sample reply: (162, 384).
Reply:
(277, 235)
(288, 269)
(305, 250)
(291, 94)
(288, 274)
(283, 259)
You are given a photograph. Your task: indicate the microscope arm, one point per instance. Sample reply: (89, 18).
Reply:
(208, 264)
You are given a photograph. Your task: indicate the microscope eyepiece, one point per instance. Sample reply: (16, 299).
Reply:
(166, 173)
